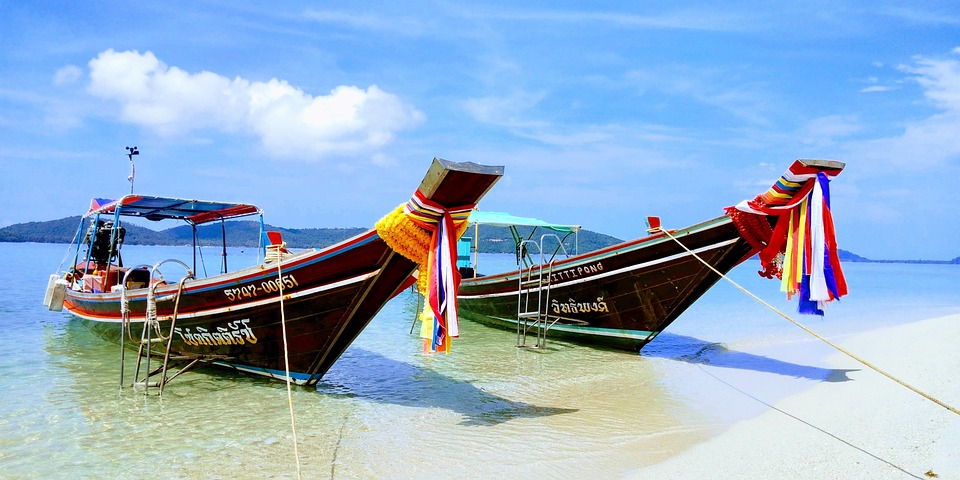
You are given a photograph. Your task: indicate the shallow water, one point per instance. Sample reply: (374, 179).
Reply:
(385, 410)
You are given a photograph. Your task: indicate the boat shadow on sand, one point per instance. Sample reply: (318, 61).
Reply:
(372, 376)
(695, 351)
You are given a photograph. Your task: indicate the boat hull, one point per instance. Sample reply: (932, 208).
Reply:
(238, 320)
(622, 296)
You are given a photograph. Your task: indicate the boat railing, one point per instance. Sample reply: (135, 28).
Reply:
(526, 259)
(151, 333)
(125, 313)
(534, 283)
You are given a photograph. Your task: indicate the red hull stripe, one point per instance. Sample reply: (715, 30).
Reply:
(593, 278)
(232, 308)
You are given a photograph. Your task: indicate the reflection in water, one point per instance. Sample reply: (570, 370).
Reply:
(381, 412)
(359, 373)
(695, 351)
(385, 410)
(389, 381)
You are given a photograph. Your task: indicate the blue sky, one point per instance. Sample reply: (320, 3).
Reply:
(326, 114)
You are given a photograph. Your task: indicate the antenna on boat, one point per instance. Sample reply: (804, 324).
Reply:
(131, 151)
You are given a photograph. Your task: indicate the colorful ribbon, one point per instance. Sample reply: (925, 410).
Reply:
(804, 236)
(813, 265)
(443, 279)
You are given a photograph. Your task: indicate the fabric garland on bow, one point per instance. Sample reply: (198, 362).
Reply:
(804, 238)
(811, 262)
(440, 322)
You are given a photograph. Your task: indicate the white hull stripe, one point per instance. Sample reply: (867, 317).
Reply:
(245, 306)
(296, 377)
(590, 331)
(605, 274)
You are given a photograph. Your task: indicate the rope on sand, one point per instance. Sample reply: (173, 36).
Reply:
(811, 332)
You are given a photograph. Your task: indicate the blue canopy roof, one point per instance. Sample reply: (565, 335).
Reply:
(503, 219)
(163, 208)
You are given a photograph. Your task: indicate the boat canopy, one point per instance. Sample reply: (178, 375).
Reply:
(503, 219)
(195, 212)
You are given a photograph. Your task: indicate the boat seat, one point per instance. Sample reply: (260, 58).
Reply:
(276, 248)
(138, 278)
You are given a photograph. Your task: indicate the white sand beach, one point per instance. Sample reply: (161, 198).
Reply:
(867, 427)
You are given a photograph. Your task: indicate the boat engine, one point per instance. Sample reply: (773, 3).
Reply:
(102, 252)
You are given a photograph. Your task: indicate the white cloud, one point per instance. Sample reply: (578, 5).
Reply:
(682, 19)
(940, 80)
(506, 111)
(930, 141)
(824, 131)
(288, 121)
(67, 75)
(515, 111)
(923, 144)
(730, 91)
(400, 24)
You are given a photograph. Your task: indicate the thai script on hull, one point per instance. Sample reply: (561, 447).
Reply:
(234, 333)
(573, 306)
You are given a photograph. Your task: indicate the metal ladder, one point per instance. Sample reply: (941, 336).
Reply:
(151, 335)
(535, 315)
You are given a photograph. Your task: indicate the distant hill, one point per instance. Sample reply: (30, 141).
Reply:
(500, 240)
(846, 256)
(243, 233)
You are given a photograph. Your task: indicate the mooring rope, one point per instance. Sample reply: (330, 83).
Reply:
(286, 363)
(811, 332)
(811, 425)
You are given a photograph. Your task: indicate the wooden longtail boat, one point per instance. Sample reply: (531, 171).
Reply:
(321, 299)
(624, 295)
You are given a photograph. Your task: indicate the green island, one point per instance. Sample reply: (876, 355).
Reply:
(244, 233)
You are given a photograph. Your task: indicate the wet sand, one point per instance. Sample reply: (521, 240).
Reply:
(862, 425)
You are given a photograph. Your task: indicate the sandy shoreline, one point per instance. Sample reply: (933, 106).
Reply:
(864, 426)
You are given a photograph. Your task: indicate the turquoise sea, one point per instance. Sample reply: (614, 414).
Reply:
(385, 410)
